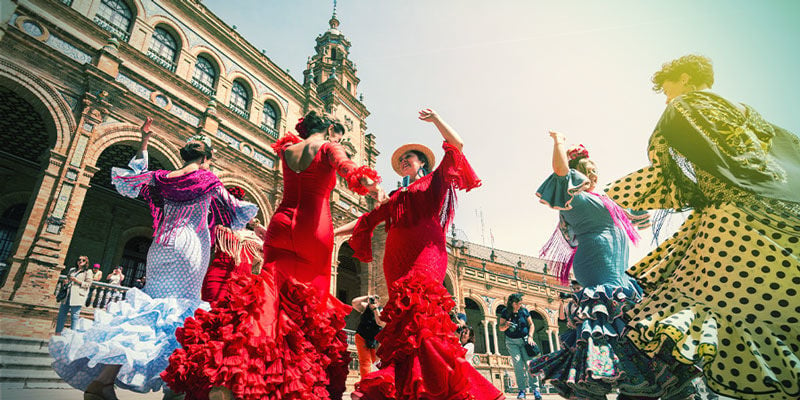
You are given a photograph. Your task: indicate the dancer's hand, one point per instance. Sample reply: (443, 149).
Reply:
(428, 115)
(380, 195)
(147, 128)
(557, 137)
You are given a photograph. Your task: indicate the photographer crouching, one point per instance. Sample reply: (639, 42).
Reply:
(368, 327)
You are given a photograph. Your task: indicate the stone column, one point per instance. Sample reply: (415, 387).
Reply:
(495, 332)
(486, 335)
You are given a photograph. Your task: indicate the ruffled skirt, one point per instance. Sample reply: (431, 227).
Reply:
(262, 343)
(420, 355)
(595, 358)
(138, 334)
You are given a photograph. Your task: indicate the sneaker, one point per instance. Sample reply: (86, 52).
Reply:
(521, 394)
(537, 395)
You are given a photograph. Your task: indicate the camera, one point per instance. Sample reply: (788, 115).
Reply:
(565, 295)
(371, 300)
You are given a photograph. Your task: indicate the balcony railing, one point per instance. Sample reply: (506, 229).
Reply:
(113, 29)
(270, 131)
(100, 294)
(208, 90)
(238, 110)
(168, 64)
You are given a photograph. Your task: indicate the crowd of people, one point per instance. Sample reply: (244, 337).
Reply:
(254, 318)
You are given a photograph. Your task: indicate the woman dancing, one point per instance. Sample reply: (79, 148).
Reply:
(592, 240)
(279, 335)
(128, 344)
(235, 253)
(420, 356)
(722, 292)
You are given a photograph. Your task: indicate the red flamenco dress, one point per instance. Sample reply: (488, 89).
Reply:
(420, 355)
(235, 253)
(279, 334)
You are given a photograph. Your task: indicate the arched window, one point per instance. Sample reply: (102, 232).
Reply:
(115, 16)
(205, 75)
(270, 122)
(164, 48)
(240, 99)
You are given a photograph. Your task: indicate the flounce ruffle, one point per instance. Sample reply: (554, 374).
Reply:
(595, 357)
(460, 175)
(244, 344)
(354, 179)
(420, 355)
(557, 192)
(138, 334)
(286, 140)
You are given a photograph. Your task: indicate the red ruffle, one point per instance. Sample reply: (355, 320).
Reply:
(354, 179)
(420, 355)
(361, 239)
(288, 139)
(242, 345)
(461, 174)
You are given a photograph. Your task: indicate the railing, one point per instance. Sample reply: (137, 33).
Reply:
(270, 131)
(100, 294)
(203, 87)
(168, 64)
(113, 29)
(242, 112)
(491, 360)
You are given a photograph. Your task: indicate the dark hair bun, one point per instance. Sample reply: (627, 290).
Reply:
(311, 123)
(194, 151)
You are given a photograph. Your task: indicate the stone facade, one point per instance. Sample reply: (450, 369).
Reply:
(77, 79)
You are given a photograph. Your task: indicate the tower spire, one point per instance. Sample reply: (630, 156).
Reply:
(334, 23)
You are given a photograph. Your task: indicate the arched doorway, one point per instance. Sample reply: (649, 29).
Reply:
(134, 259)
(475, 319)
(348, 282)
(10, 221)
(26, 137)
(106, 215)
(540, 331)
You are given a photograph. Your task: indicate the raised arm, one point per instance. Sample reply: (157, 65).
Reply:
(360, 303)
(560, 163)
(147, 130)
(448, 133)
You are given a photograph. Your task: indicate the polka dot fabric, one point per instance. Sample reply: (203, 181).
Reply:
(723, 288)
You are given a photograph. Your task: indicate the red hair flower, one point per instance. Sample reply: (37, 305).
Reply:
(577, 152)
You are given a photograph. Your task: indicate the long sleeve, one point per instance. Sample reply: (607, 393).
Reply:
(361, 240)
(347, 169)
(130, 181)
(229, 211)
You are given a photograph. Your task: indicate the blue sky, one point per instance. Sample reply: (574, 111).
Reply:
(504, 72)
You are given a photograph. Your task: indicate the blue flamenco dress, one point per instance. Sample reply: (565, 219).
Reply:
(595, 359)
(139, 333)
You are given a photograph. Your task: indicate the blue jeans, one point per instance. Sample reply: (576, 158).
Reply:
(520, 359)
(75, 313)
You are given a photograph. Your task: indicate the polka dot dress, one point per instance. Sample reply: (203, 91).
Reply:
(723, 289)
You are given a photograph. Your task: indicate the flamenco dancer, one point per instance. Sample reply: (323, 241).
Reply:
(722, 292)
(278, 335)
(235, 253)
(129, 343)
(420, 356)
(592, 240)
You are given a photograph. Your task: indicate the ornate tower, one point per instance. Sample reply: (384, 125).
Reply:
(333, 77)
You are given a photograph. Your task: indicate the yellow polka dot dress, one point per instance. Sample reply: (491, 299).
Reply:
(722, 291)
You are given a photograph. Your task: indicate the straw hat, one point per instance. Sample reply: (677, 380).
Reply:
(408, 147)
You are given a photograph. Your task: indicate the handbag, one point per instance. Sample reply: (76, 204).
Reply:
(63, 292)
(532, 350)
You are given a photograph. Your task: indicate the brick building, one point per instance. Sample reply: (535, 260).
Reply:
(77, 78)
